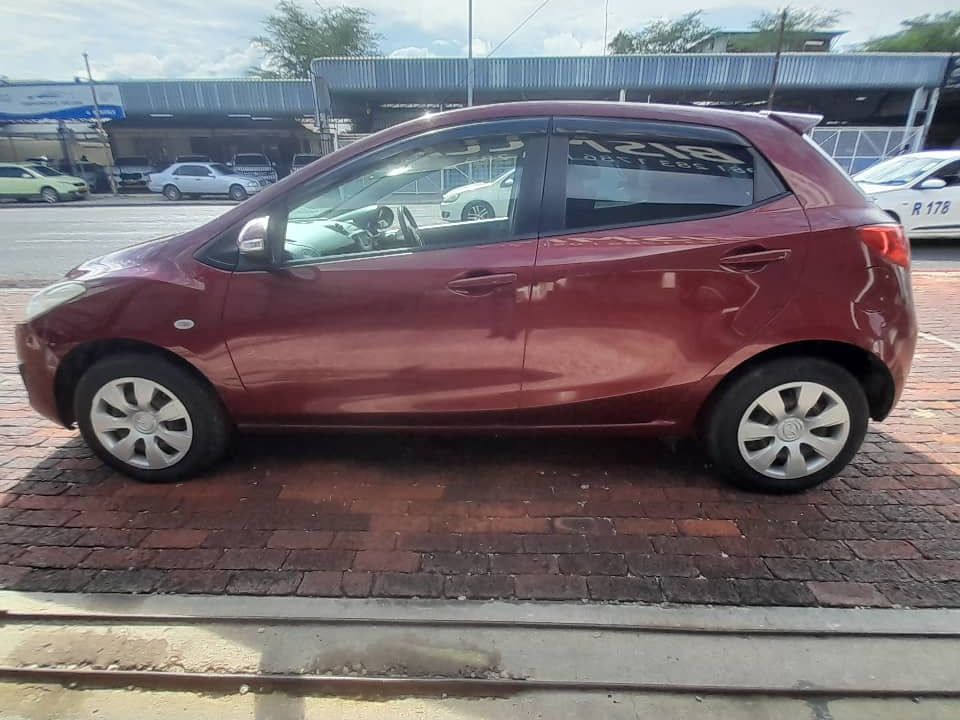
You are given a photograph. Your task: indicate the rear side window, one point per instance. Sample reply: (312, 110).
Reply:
(624, 180)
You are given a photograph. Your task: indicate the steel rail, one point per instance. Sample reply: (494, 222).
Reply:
(344, 685)
(93, 618)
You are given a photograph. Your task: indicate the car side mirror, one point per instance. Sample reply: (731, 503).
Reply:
(252, 240)
(507, 183)
(932, 184)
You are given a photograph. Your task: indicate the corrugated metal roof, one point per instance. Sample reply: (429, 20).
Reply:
(216, 97)
(689, 72)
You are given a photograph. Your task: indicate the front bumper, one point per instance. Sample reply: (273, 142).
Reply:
(38, 369)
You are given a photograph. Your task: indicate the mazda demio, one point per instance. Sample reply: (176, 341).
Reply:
(653, 270)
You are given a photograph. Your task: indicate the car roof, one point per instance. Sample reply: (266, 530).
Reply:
(934, 154)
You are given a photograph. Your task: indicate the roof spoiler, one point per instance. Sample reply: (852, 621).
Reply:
(800, 122)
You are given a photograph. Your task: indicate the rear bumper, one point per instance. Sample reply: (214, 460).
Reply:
(38, 370)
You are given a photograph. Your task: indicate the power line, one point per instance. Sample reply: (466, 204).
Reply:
(517, 28)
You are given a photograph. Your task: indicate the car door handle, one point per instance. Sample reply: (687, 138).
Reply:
(753, 260)
(481, 284)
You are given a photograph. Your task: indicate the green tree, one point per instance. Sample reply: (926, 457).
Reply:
(662, 36)
(796, 30)
(926, 33)
(293, 37)
(798, 20)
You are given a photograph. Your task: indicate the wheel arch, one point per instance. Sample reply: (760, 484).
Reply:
(874, 377)
(83, 357)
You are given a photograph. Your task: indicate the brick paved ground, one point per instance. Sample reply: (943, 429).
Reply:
(486, 517)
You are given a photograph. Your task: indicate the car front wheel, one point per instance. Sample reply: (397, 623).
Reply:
(787, 425)
(49, 195)
(150, 418)
(237, 192)
(172, 192)
(477, 210)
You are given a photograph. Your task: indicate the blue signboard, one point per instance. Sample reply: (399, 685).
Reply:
(37, 103)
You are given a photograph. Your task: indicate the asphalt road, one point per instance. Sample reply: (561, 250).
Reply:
(39, 244)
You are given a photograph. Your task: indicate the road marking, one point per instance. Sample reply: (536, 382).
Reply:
(949, 343)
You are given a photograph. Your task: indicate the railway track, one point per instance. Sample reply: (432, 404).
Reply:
(421, 649)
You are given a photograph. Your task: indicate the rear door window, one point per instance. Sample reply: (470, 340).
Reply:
(630, 179)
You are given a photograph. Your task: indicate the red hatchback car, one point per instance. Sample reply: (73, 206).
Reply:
(651, 269)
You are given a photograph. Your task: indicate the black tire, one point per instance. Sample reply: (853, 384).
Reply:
(237, 192)
(211, 426)
(722, 421)
(477, 207)
(49, 195)
(172, 192)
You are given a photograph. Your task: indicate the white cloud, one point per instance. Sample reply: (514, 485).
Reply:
(568, 44)
(412, 52)
(481, 47)
(122, 66)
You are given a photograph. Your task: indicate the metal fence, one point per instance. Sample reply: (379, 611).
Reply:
(857, 148)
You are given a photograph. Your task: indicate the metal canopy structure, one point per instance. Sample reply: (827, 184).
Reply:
(698, 72)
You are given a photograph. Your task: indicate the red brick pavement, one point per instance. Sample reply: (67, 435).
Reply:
(544, 518)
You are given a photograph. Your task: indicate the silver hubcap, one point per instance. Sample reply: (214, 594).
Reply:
(477, 212)
(793, 430)
(49, 196)
(141, 422)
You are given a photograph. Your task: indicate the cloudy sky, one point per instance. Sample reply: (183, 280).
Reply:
(211, 38)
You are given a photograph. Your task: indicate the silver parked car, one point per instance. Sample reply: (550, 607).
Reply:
(196, 179)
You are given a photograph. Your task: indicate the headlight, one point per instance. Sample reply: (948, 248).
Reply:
(51, 297)
(251, 183)
(451, 196)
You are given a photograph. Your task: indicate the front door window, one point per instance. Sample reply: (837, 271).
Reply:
(444, 195)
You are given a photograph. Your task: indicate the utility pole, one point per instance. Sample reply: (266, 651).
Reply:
(469, 53)
(776, 59)
(103, 133)
(606, 22)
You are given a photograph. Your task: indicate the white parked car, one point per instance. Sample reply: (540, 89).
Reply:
(478, 201)
(196, 179)
(920, 190)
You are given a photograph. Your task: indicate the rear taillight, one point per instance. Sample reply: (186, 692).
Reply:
(888, 240)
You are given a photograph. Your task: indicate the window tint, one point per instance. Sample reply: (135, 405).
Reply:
(626, 180)
(191, 170)
(45, 171)
(251, 159)
(11, 172)
(950, 173)
(441, 195)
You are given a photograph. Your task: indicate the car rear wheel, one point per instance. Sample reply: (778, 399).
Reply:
(49, 195)
(477, 210)
(172, 192)
(787, 425)
(150, 418)
(237, 192)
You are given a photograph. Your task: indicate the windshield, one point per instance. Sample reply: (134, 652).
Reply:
(251, 160)
(304, 159)
(220, 169)
(131, 161)
(44, 170)
(897, 171)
